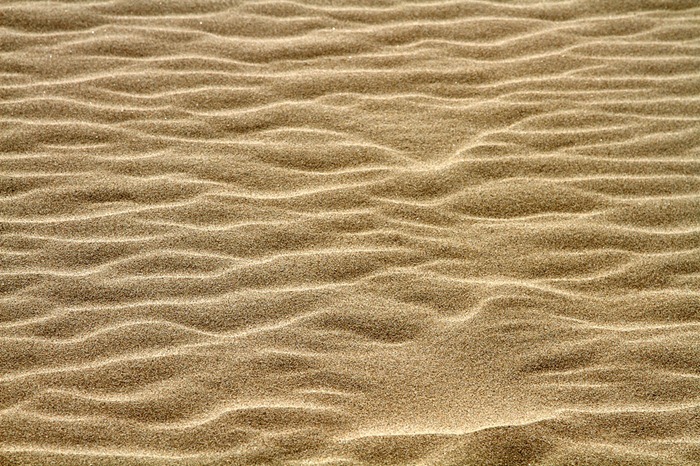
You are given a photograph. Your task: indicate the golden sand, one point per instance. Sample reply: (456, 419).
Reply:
(348, 233)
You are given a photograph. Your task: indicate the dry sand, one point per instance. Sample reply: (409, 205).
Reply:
(297, 232)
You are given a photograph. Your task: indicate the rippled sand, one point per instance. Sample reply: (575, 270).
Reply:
(290, 232)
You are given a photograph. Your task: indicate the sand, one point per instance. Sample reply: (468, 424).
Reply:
(347, 233)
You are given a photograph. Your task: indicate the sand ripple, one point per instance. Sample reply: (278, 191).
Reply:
(454, 232)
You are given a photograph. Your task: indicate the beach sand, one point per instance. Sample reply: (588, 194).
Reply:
(347, 233)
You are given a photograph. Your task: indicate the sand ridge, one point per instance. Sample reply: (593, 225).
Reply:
(349, 232)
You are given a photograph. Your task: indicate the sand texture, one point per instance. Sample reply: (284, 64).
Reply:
(303, 232)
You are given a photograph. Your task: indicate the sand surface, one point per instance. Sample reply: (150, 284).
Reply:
(347, 233)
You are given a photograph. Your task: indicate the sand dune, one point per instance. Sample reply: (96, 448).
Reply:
(310, 232)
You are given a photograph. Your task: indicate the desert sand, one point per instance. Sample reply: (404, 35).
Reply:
(345, 233)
